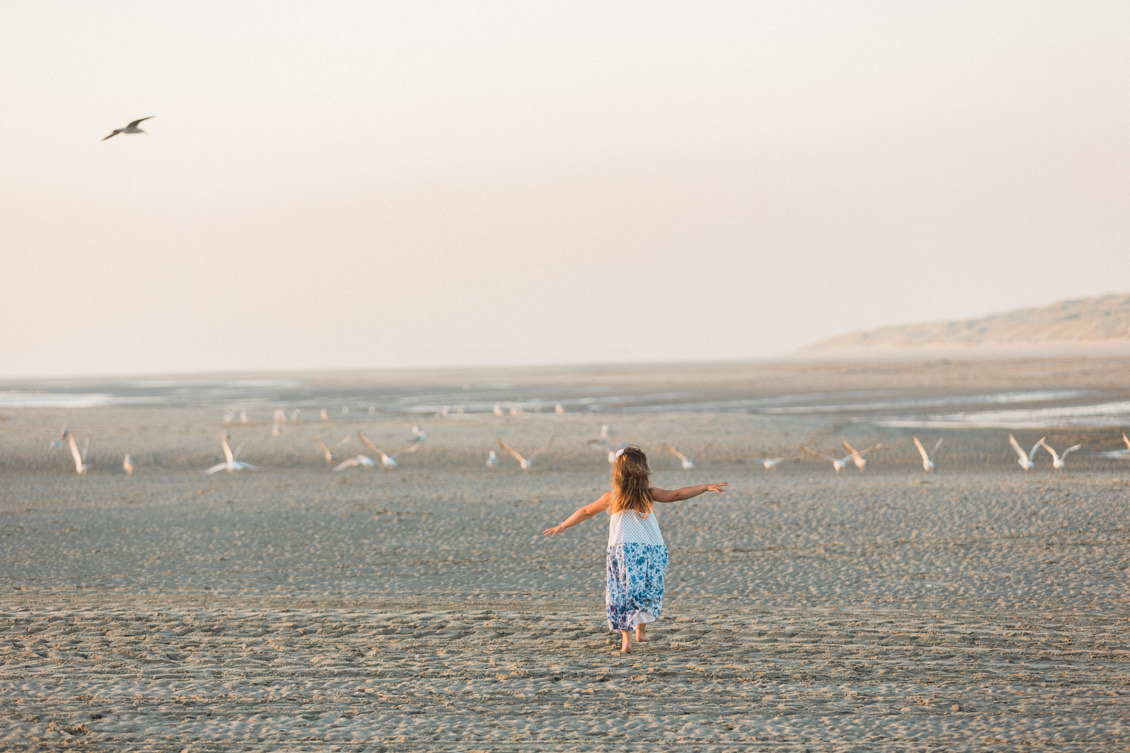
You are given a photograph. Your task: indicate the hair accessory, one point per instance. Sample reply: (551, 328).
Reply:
(620, 451)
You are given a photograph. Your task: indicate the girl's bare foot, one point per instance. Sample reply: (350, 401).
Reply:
(625, 641)
(640, 636)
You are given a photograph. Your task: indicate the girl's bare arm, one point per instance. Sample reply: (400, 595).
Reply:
(581, 515)
(686, 492)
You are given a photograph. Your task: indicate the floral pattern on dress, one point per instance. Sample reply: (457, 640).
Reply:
(635, 584)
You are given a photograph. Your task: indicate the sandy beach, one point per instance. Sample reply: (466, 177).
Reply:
(978, 608)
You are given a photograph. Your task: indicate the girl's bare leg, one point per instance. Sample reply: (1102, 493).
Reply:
(640, 633)
(625, 641)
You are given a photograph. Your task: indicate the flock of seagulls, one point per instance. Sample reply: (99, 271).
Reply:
(378, 457)
(856, 457)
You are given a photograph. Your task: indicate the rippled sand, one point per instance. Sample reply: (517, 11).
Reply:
(292, 608)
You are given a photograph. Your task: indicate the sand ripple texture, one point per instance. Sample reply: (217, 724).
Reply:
(873, 612)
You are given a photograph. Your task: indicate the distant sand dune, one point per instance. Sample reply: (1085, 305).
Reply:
(1102, 320)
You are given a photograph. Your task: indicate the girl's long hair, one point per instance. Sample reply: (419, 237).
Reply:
(631, 482)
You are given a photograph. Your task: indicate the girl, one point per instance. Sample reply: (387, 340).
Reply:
(636, 556)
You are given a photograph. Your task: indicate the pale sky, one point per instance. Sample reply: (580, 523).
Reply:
(361, 185)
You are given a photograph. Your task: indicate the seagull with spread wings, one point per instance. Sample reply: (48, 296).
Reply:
(79, 457)
(231, 462)
(388, 460)
(525, 462)
(838, 464)
(1025, 459)
(1059, 458)
(131, 128)
(857, 455)
(927, 461)
(686, 462)
(770, 464)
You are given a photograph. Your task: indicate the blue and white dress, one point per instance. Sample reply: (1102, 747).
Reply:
(637, 566)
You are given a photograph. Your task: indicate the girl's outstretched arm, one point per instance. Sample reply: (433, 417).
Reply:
(686, 492)
(581, 515)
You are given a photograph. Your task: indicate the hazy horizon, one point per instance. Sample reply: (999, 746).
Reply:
(363, 186)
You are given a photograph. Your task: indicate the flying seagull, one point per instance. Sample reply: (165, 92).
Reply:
(329, 456)
(686, 462)
(857, 455)
(387, 460)
(230, 464)
(1024, 458)
(838, 464)
(769, 463)
(525, 462)
(363, 460)
(131, 128)
(1057, 459)
(79, 457)
(927, 463)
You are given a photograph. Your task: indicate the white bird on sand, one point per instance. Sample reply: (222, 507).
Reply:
(329, 456)
(418, 434)
(525, 462)
(387, 460)
(769, 463)
(231, 464)
(492, 460)
(686, 462)
(927, 463)
(131, 128)
(1058, 459)
(1025, 458)
(128, 465)
(838, 464)
(857, 455)
(79, 457)
(362, 460)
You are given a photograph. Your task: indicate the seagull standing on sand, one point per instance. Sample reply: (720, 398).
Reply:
(492, 460)
(687, 463)
(131, 128)
(1057, 460)
(927, 463)
(525, 462)
(1025, 458)
(230, 464)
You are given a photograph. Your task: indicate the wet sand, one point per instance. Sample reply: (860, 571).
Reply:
(294, 608)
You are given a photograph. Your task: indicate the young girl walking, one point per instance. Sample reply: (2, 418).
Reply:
(636, 555)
